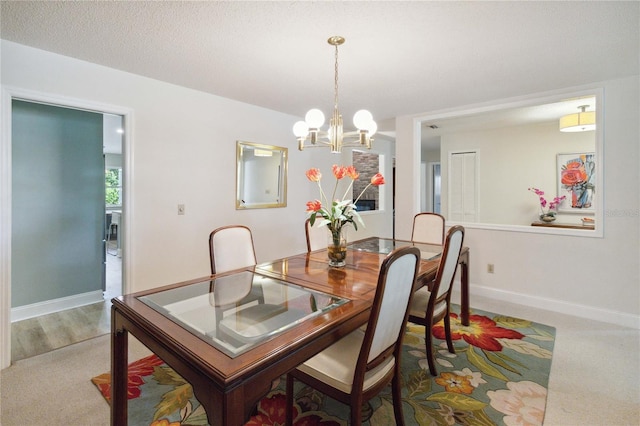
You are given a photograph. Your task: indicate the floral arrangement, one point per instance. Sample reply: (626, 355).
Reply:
(550, 206)
(338, 212)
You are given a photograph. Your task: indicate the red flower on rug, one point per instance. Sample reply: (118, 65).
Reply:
(271, 412)
(137, 370)
(481, 332)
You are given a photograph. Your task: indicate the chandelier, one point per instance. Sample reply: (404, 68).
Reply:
(334, 137)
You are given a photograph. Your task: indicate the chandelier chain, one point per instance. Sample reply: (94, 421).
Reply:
(335, 101)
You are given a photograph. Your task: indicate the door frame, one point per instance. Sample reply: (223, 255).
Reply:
(8, 94)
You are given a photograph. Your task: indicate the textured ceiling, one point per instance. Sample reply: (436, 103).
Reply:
(399, 57)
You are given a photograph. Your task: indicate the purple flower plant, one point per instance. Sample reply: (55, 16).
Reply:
(553, 205)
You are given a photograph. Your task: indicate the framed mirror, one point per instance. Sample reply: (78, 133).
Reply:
(261, 176)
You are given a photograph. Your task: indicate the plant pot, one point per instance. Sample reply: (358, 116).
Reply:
(547, 217)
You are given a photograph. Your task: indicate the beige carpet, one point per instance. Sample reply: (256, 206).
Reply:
(58, 390)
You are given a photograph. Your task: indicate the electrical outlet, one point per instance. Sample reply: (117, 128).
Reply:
(180, 209)
(490, 268)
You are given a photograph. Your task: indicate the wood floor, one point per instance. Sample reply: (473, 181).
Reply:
(42, 334)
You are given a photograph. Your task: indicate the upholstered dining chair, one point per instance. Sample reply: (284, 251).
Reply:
(362, 363)
(432, 303)
(231, 247)
(428, 228)
(316, 237)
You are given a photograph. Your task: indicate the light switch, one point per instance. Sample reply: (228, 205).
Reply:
(180, 209)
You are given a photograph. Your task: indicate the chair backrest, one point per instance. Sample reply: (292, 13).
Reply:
(231, 247)
(230, 289)
(448, 264)
(316, 237)
(390, 309)
(428, 228)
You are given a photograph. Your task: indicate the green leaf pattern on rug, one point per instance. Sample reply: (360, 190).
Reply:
(482, 364)
(177, 399)
(385, 415)
(526, 348)
(495, 358)
(541, 335)
(510, 322)
(457, 401)
(425, 415)
(419, 382)
(508, 359)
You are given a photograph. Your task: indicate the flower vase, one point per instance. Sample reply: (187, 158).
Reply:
(547, 217)
(337, 248)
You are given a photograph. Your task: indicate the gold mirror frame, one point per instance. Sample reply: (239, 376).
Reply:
(261, 176)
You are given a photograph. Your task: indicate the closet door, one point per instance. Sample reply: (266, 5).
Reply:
(57, 203)
(463, 187)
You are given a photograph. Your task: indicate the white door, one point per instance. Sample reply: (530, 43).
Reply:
(463, 187)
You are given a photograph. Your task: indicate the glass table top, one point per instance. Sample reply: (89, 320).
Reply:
(387, 245)
(237, 312)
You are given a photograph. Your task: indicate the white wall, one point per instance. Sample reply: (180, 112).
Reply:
(510, 160)
(183, 151)
(596, 277)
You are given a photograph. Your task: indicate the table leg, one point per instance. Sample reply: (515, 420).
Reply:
(464, 290)
(119, 360)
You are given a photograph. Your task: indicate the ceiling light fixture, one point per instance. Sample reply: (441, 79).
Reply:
(335, 138)
(579, 122)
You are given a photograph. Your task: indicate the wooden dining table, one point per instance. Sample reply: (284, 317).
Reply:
(231, 352)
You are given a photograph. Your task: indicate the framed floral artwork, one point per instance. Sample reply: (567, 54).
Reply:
(576, 180)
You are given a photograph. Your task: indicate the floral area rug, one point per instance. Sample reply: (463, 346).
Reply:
(498, 376)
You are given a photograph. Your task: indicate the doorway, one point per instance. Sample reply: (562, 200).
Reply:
(58, 293)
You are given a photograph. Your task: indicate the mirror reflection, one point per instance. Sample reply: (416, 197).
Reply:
(261, 176)
(478, 167)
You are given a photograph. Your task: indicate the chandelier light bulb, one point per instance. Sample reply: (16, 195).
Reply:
(301, 129)
(362, 119)
(373, 128)
(314, 118)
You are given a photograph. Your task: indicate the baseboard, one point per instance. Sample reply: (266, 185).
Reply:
(50, 306)
(577, 310)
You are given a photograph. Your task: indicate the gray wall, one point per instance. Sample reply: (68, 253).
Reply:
(57, 204)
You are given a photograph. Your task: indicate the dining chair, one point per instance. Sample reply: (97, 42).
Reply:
(362, 363)
(432, 303)
(316, 237)
(428, 228)
(231, 247)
